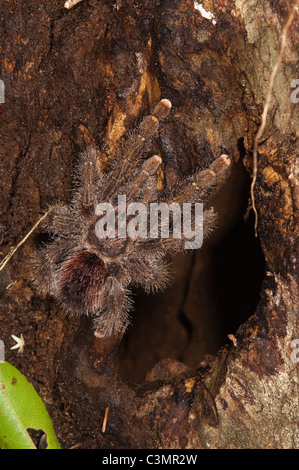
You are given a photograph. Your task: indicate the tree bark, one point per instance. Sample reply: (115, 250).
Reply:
(85, 75)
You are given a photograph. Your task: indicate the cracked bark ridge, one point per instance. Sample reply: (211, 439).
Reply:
(84, 75)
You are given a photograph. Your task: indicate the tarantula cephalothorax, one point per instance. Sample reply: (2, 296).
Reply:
(89, 269)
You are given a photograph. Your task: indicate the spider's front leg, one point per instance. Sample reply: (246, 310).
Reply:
(143, 180)
(133, 149)
(145, 131)
(200, 186)
(86, 180)
(196, 189)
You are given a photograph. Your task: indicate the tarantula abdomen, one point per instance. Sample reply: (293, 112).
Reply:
(100, 244)
(80, 280)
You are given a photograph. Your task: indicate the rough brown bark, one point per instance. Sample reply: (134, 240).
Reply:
(86, 75)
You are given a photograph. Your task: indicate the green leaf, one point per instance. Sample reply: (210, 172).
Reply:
(21, 409)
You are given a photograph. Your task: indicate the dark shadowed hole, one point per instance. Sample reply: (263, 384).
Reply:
(214, 291)
(239, 269)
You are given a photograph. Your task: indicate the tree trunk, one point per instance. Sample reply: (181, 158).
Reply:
(85, 75)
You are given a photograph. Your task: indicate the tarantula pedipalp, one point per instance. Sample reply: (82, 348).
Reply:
(88, 269)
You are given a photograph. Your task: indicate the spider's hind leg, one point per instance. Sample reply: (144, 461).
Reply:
(113, 316)
(150, 272)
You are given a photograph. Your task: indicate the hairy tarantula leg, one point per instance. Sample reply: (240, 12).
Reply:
(161, 109)
(149, 168)
(113, 316)
(150, 273)
(137, 140)
(86, 176)
(59, 220)
(220, 164)
(204, 182)
(41, 272)
(87, 194)
(147, 128)
(150, 190)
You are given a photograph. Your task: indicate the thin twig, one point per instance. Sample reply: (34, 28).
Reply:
(266, 108)
(105, 419)
(11, 253)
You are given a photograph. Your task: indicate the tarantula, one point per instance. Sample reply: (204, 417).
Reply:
(91, 274)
